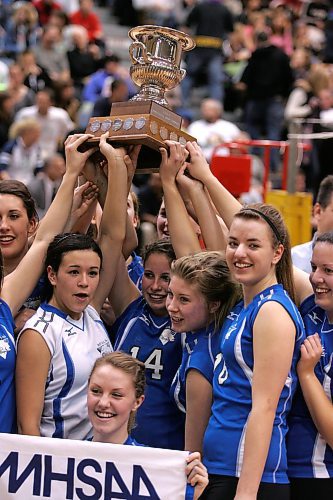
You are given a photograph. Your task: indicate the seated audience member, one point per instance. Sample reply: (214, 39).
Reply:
(55, 122)
(118, 93)
(84, 58)
(22, 95)
(65, 98)
(35, 77)
(98, 83)
(86, 17)
(51, 54)
(44, 187)
(21, 29)
(45, 9)
(211, 129)
(21, 156)
(6, 116)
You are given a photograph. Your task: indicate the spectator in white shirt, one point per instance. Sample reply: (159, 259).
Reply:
(55, 122)
(211, 130)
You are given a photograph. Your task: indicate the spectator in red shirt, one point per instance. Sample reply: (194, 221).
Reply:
(88, 19)
(45, 9)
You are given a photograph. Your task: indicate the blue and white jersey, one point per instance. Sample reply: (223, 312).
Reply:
(74, 346)
(232, 394)
(150, 339)
(200, 350)
(308, 453)
(135, 270)
(7, 370)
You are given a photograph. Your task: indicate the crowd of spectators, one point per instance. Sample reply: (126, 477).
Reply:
(263, 63)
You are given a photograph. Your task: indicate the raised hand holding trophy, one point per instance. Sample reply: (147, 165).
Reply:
(146, 119)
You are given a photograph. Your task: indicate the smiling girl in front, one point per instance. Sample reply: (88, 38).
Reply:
(115, 392)
(255, 372)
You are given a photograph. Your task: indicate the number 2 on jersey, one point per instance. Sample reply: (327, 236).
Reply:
(153, 362)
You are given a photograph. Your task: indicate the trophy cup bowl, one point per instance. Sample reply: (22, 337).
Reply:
(154, 81)
(146, 119)
(156, 57)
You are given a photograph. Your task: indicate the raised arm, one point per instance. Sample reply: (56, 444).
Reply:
(226, 205)
(20, 283)
(123, 291)
(211, 231)
(131, 237)
(183, 237)
(113, 223)
(273, 344)
(319, 403)
(98, 175)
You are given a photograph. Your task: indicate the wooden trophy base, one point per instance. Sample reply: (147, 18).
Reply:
(139, 122)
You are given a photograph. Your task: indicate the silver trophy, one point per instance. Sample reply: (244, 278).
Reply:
(146, 119)
(156, 56)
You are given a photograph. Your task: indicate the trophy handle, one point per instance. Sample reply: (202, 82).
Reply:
(145, 56)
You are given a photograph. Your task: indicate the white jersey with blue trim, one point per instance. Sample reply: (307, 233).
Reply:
(150, 339)
(74, 346)
(232, 394)
(309, 456)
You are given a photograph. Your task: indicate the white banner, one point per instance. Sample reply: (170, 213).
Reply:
(33, 467)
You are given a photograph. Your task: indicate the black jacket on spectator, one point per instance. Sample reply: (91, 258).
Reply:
(268, 73)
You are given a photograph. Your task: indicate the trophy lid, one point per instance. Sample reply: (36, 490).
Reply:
(186, 40)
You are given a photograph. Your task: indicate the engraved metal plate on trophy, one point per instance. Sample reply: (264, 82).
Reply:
(146, 119)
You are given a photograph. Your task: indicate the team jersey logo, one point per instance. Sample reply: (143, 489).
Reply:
(189, 348)
(144, 318)
(104, 347)
(232, 316)
(313, 316)
(70, 331)
(230, 330)
(167, 336)
(4, 347)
